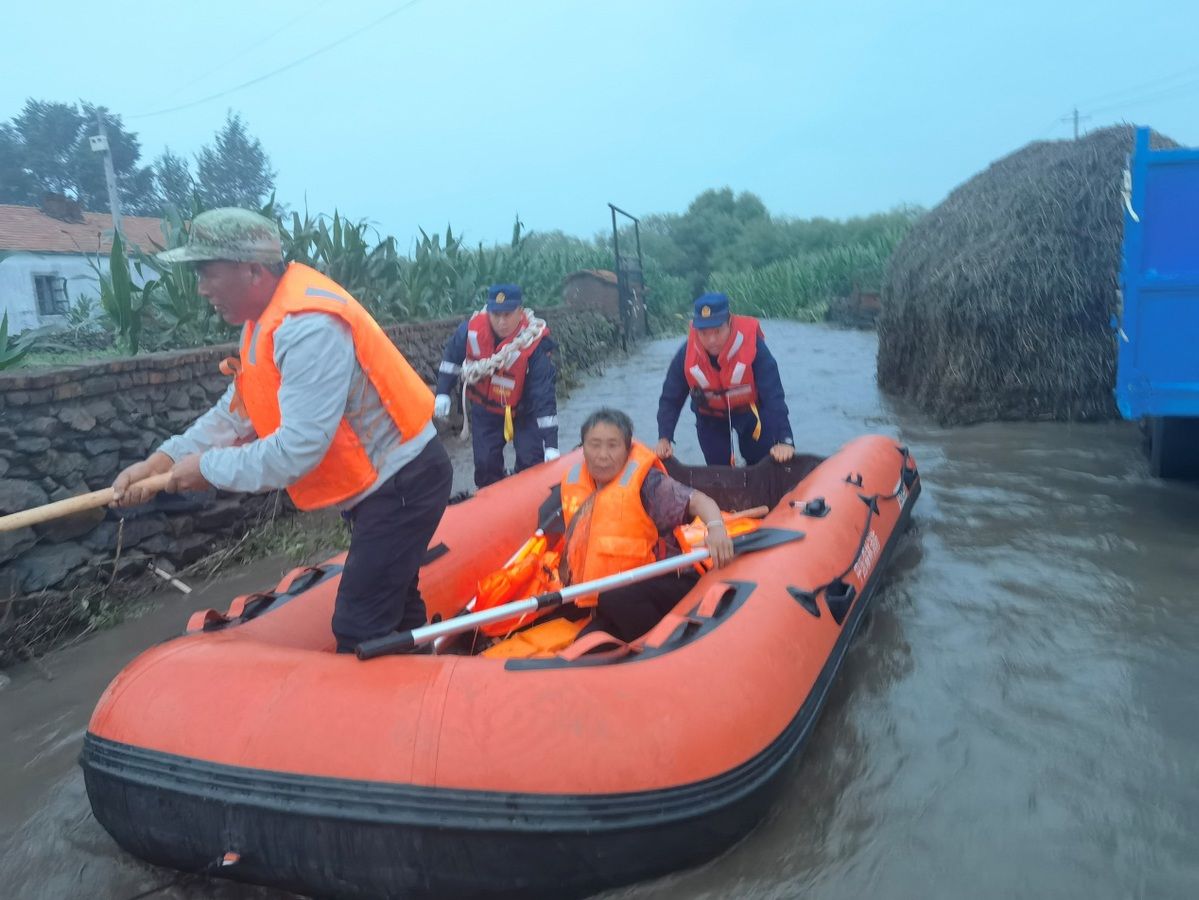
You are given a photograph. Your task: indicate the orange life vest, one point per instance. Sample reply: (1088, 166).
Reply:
(613, 533)
(537, 642)
(531, 571)
(346, 469)
(731, 386)
(503, 389)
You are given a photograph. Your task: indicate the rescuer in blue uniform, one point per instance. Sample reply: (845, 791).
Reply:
(504, 354)
(733, 381)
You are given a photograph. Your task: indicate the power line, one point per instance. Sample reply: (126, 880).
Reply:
(179, 88)
(1136, 88)
(1137, 100)
(1151, 97)
(291, 65)
(1048, 130)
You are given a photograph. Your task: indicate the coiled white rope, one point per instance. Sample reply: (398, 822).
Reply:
(475, 370)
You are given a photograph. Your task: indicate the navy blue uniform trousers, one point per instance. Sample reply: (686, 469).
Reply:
(716, 441)
(487, 437)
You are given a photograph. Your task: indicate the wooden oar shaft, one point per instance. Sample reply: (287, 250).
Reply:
(71, 505)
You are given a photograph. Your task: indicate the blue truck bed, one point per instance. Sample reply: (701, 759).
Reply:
(1157, 368)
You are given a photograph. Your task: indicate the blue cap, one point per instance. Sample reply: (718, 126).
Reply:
(503, 298)
(710, 311)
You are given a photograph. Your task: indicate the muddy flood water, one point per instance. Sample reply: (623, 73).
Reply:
(1019, 716)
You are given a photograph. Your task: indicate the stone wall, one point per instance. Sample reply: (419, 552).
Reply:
(67, 431)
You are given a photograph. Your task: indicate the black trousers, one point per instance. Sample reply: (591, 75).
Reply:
(629, 612)
(389, 533)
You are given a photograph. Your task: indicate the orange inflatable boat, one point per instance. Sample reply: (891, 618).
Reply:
(248, 749)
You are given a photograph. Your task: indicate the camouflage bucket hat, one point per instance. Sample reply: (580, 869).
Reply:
(237, 235)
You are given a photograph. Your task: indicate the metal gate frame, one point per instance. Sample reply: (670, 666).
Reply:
(634, 315)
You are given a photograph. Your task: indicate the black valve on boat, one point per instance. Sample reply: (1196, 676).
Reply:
(816, 508)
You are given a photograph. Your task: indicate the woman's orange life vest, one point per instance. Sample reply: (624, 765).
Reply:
(503, 389)
(346, 469)
(607, 529)
(732, 386)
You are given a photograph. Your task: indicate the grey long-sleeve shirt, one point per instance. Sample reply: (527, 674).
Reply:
(321, 383)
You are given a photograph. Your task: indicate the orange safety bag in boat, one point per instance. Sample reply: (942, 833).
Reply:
(539, 641)
(533, 570)
(695, 533)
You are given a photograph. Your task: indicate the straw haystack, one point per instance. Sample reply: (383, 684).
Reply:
(998, 303)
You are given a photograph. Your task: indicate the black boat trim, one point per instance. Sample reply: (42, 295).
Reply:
(687, 632)
(469, 810)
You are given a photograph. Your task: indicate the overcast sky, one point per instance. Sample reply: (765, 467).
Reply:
(468, 112)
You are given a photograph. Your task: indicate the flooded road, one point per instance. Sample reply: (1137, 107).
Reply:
(1018, 717)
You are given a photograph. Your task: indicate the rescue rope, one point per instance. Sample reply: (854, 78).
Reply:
(475, 370)
(871, 501)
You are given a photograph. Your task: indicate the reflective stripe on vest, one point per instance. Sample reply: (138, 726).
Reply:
(504, 389)
(731, 386)
(345, 470)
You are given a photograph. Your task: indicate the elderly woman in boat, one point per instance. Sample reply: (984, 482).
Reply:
(620, 511)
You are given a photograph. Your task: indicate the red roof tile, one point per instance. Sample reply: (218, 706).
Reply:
(28, 228)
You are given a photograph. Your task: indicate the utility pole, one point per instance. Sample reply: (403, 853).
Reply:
(99, 144)
(1076, 117)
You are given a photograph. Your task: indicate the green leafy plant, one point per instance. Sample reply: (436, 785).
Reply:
(121, 300)
(13, 350)
(81, 315)
(343, 250)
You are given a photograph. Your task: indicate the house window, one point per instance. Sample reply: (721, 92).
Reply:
(51, 295)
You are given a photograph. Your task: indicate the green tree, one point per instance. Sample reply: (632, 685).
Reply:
(173, 182)
(758, 243)
(135, 183)
(234, 170)
(713, 221)
(722, 232)
(658, 243)
(45, 149)
(17, 185)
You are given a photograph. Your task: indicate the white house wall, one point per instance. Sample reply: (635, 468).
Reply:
(18, 295)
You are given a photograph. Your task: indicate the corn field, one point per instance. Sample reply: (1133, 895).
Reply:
(441, 276)
(801, 287)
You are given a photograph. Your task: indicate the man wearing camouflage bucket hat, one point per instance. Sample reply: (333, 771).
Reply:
(323, 404)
